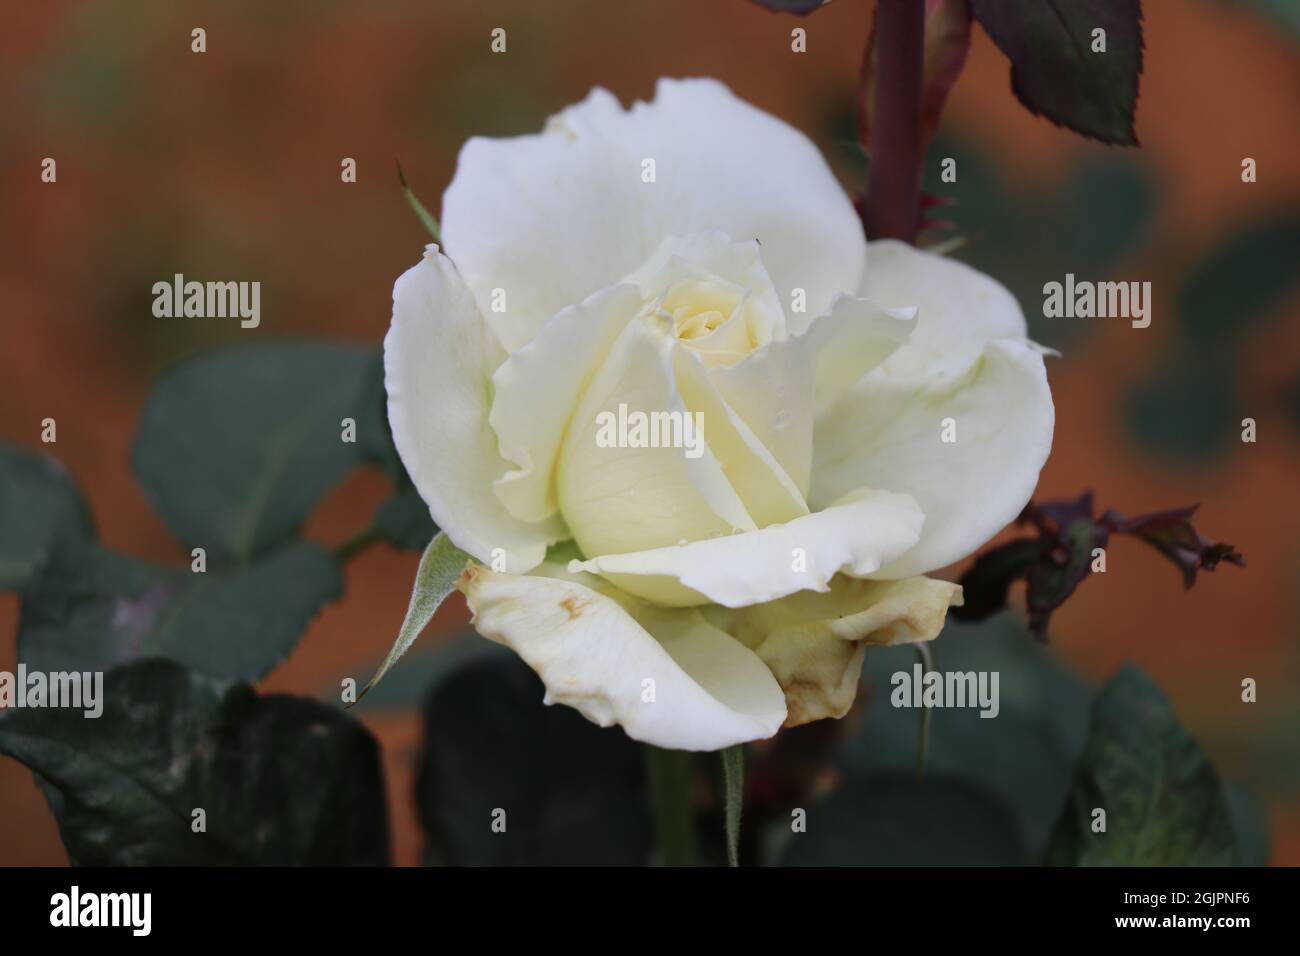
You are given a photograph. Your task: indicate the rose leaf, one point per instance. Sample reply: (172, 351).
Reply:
(1058, 67)
(184, 770)
(237, 445)
(92, 609)
(1164, 804)
(41, 511)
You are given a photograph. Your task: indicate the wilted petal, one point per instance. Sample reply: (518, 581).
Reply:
(814, 642)
(666, 676)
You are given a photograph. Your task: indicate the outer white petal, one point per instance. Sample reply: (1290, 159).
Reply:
(857, 535)
(537, 390)
(814, 642)
(888, 433)
(551, 218)
(438, 358)
(595, 652)
(776, 389)
(961, 309)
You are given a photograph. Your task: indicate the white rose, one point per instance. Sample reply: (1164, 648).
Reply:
(710, 594)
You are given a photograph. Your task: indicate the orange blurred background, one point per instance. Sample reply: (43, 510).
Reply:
(227, 164)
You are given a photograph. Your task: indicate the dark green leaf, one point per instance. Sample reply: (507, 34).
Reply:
(1188, 409)
(671, 776)
(1164, 803)
(1241, 281)
(1249, 824)
(1107, 201)
(281, 780)
(237, 445)
(1285, 14)
(403, 519)
(1024, 758)
(1054, 71)
(92, 609)
(570, 792)
(987, 584)
(902, 821)
(41, 511)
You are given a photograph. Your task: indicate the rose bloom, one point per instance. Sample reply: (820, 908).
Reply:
(870, 413)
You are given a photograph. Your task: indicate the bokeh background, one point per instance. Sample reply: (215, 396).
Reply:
(226, 165)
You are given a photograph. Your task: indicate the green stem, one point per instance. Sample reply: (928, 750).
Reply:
(923, 741)
(733, 774)
(669, 772)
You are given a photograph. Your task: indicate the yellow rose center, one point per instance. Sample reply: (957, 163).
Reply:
(714, 317)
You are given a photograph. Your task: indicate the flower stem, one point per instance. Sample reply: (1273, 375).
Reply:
(733, 774)
(669, 772)
(923, 738)
(892, 209)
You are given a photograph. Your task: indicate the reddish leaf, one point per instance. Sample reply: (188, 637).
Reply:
(1171, 533)
(1054, 69)
(1055, 562)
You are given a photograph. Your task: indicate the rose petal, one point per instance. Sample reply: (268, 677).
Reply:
(768, 493)
(888, 433)
(775, 390)
(666, 676)
(713, 254)
(554, 217)
(618, 498)
(814, 642)
(857, 535)
(538, 387)
(438, 357)
(960, 310)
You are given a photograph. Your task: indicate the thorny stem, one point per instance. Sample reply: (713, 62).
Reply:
(892, 206)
